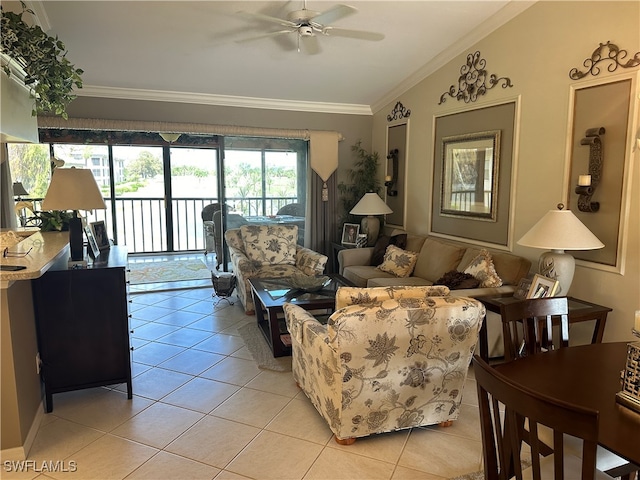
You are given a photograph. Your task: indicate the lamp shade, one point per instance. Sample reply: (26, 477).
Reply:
(19, 190)
(370, 204)
(560, 230)
(73, 189)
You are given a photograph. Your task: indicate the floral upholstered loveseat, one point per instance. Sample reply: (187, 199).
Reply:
(389, 358)
(264, 251)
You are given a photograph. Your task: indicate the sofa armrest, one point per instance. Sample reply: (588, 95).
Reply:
(309, 261)
(301, 323)
(354, 256)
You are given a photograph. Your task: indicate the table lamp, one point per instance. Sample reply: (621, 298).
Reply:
(371, 204)
(559, 230)
(73, 189)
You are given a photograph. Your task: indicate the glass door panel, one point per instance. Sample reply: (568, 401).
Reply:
(194, 185)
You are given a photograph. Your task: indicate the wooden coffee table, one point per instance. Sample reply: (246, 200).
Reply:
(269, 296)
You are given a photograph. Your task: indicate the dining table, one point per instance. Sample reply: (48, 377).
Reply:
(588, 376)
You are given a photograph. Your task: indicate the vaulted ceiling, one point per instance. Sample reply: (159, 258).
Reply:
(189, 50)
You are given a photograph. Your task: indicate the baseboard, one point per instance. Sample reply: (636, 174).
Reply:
(21, 453)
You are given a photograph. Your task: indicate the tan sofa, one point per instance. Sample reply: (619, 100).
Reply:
(436, 257)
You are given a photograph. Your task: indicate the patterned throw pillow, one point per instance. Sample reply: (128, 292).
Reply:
(270, 244)
(482, 268)
(398, 262)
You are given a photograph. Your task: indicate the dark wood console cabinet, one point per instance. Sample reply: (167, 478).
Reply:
(82, 325)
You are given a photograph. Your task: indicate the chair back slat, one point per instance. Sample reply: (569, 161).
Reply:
(527, 325)
(502, 439)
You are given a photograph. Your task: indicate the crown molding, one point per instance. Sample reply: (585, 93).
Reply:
(222, 100)
(42, 18)
(508, 12)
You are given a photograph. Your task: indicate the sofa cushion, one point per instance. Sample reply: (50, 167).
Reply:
(510, 268)
(398, 262)
(436, 258)
(482, 268)
(380, 248)
(270, 244)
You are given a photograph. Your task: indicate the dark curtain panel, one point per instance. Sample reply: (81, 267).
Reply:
(323, 216)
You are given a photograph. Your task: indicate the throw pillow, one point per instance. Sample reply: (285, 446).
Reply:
(398, 262)
(482, 268)
(270, 245)
(379, 249)
(456, 280)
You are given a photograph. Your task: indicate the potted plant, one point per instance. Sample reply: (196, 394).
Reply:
(55, 220)
(47, 72)
(363, 178)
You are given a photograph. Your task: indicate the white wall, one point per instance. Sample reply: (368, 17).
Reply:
(535, 50)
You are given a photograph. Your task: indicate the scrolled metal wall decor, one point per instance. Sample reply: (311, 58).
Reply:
(398, 112)
(473, 81)
(606, 52)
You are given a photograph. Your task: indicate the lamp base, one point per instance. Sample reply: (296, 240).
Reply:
(75, 238)
(371, 226)
(560, 266)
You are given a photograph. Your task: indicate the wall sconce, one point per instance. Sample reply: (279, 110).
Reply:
(587, 183)
(390, 180)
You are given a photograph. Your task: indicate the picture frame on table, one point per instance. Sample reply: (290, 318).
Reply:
(93, 248)
(542, 287)
(99, 231)
(350, 233)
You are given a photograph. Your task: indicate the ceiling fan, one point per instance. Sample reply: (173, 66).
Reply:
(307, 24)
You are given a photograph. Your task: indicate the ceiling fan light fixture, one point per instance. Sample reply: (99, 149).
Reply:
(305, 31)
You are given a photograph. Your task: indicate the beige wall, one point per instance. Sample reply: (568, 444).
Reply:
(535, 50)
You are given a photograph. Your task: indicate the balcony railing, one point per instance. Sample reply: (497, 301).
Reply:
(141, 221)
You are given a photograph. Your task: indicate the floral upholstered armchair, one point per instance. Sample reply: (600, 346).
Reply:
(389, 358)
(267, 251)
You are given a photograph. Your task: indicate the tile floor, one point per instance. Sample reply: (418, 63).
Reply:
(202, 410)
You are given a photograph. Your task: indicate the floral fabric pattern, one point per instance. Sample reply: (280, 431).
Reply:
(270, 244)
(398, 262)
(306, 260)
(387, 365)
(483, 269)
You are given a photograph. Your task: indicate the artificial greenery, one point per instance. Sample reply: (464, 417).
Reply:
(49, 74)
(363, 178)
(55, 220)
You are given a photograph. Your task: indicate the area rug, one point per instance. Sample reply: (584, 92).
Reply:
(470, 476)
(260, 351)
(168, 271)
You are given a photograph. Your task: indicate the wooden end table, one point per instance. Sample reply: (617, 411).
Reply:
(269, 296)
(579, 311)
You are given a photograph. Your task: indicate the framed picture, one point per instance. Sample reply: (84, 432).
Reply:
(542, 287)
(93, 249)
(350, 233)
(522, 290)
(99, 231)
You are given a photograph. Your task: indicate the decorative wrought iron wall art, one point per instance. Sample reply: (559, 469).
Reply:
(398, 112)
(587, 183)
(473, 81)
(606, 52)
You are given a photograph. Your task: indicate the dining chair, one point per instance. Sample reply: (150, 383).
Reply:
(503, 403)
(527, 326)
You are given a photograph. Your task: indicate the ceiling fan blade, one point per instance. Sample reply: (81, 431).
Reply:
(266, 35)
(310, 44)
(359, 34)
(267, 18)
(333, 14)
